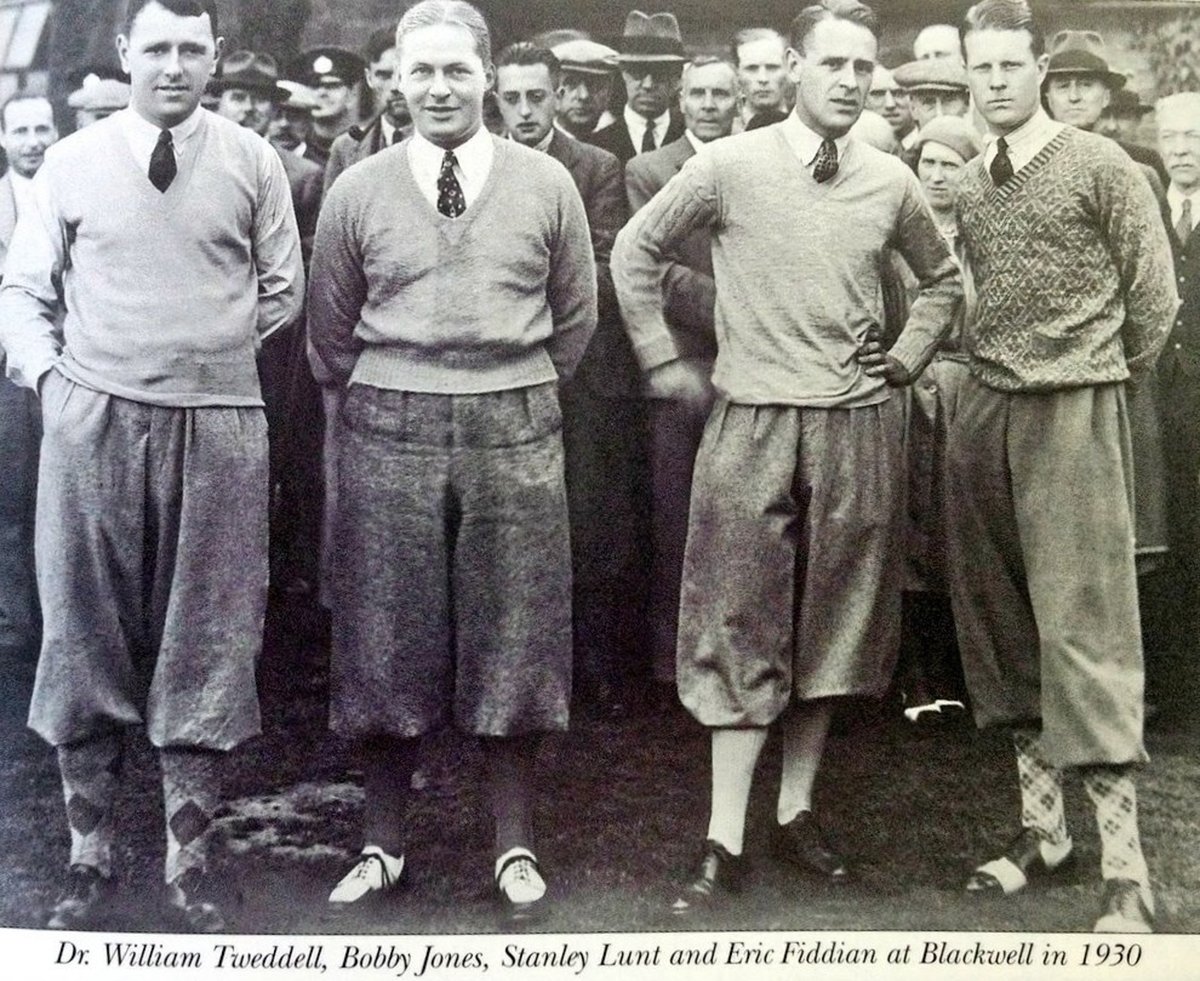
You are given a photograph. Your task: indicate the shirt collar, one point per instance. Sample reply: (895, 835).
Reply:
(141, 129)
(805, 142)
(544, 144)
(696, 142)
(1175, 198)
(1037, 129)
(637, 123)
(474, 157)
(388, 131)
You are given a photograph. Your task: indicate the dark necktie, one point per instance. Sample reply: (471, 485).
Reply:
(1002, 168)
(825, 164)
(648, 138)
(1184, 226)
(450, 200)
(162, 161)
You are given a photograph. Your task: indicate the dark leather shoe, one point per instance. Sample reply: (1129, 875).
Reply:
(1024, 855)
(718, 871)
(192, 903)
(801, 843)
(1124, 909)
(83, 901)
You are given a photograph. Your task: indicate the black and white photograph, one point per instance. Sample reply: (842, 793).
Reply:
(559, 489)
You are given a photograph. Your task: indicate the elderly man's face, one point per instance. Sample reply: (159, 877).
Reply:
(762, 74)
(527, 101)
(291, 127)
(709, 101)
(1179, 143)
(886, 97)
(1077, 100)
(651, 87)
(927, 104)
(28, 131)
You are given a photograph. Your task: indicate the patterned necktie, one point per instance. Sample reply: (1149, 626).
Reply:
(1002, 168)
(450, 201)
(825, 164)
(1183, 227)
(162, 161)
(648, 138)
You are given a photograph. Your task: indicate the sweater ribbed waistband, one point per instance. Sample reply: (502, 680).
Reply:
(412, 370)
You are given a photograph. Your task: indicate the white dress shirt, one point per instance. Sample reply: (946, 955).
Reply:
(1026, 141)
(23, 193)
(143, 134)
(805, 142)
(473, 163)
(636, 123)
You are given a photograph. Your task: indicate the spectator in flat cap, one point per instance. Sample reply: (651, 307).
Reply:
(938, 41)
(760, 56)
(1079, 85)
(1122, 120)
(650, 53)
(292, 125)
(96, 98)
(936, 87)
(889, 98)
(332, 74)
(587, 76)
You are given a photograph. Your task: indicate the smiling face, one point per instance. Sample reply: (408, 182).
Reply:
(1077, 100)
(443, 80)
(28, 130)
(1004, 76)
(527, 101)
(169, 59)
(832, 75)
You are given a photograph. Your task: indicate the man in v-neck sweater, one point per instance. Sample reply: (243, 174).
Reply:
(790, 594)
(168, 235)
(1076, 295)
(453, 287)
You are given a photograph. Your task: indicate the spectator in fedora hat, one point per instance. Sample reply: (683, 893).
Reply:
(650, 53)
(1080, 85)
(332, 74)
(587, 75)
(1123, 117)
(96, 98)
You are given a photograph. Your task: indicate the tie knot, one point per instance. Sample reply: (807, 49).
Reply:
(164, 138)
(1001, 145)
(449, 160)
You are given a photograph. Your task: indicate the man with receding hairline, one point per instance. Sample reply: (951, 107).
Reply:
(168, 234)
(790, 588)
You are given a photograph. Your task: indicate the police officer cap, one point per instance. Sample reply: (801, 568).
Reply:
(317, 63)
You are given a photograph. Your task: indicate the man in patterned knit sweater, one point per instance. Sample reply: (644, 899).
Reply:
(1076, 295)
(790, 591)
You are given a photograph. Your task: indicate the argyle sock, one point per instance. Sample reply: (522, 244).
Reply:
(91, 773)
(1041, 789)
(734, 754)
(1114, 795)
(191, 791)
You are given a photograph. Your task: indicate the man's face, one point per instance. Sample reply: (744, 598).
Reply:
(890, 100)
(28, 131)
(939, 169)
(651, 87)
(333, 97)
(832, 75)
(1077, 100)
(938, 41)
(290, 127)
(1004, 76)
(709, 101)
(582, 99)
(169, 59)
(762, 74)
(527, 101)
(927, 104)
(249, 109)
(384, 81)
(444, 79)
(1179, 144)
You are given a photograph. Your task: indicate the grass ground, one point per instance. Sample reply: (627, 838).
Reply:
(623, 810)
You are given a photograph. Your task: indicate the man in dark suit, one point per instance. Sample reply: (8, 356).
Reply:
(392, 121)
(651, 57)
(603, 421)
(26, 131)
(709, 104)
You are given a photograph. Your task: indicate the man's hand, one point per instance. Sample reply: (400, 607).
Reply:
(679, 381)
(877, 363)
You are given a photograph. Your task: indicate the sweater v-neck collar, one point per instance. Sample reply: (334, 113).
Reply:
(444, 221)
(184, 162)
(1022, 176)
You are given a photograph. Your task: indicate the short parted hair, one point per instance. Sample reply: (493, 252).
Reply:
(184, 8)
(1005, 15)
(381, 40)
(528, 53)
(18, 97)
(430, 13)
(703, 61)
(748, 34)
(851, 10)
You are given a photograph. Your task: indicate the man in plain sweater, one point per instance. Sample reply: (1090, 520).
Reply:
(168, 234)
(790, 591)
(1076, 296)
(454, 287)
